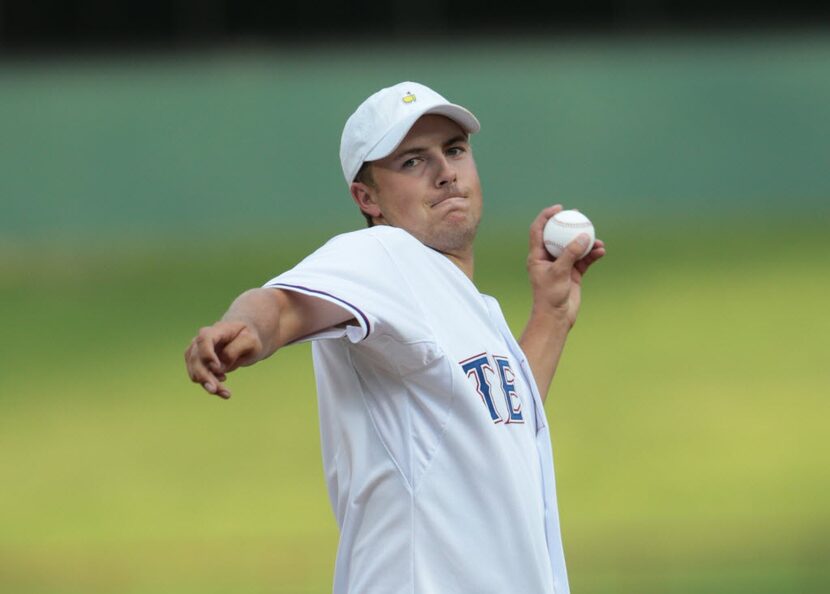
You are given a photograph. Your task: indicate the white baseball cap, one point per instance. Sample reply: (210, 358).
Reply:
(381, 123)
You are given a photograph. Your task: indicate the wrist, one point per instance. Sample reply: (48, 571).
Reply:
(551, 317)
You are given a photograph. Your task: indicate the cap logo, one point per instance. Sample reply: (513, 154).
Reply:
(409, 98)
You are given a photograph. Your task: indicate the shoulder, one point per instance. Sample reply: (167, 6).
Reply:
(490, 300)
(495, 308)
(383, 238)
(381, 233)
(366, 251)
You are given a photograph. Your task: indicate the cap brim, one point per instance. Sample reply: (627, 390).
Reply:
(392, 139)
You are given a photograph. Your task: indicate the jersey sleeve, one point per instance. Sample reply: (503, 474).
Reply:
(357, 272)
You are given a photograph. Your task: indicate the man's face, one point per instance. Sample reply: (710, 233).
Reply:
(428, 186)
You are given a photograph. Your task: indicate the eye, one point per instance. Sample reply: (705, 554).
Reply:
(410, 163)
(456, 151)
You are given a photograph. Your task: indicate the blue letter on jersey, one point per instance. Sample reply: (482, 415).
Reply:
(514, 412)
(476, 367)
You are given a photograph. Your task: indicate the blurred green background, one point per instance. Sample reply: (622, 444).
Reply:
(139, 195)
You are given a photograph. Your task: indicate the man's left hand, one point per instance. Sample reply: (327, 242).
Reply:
(557, 282)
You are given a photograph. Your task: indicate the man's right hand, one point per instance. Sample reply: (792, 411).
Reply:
(259, 322)
(218, 350)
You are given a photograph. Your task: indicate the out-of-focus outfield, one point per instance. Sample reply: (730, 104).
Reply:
(690, 419)
(690, 410)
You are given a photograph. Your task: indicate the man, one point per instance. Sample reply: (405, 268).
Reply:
(435, 443)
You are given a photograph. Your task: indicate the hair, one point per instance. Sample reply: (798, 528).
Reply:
(364, 176)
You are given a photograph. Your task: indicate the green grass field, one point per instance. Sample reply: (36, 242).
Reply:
(689, 420)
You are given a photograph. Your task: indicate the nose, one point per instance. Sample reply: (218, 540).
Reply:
(446, 173)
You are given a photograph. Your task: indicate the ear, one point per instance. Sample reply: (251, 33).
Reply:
(364, 198)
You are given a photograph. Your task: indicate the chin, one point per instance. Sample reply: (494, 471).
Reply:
(453, 237)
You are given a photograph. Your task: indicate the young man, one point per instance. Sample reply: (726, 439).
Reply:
(435, 444)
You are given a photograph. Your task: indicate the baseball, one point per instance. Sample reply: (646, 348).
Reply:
(563, 227)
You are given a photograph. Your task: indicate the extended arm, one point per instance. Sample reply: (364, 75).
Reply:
(258, 322)
(556, 285)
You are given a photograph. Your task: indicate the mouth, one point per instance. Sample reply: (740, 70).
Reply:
(448, 199)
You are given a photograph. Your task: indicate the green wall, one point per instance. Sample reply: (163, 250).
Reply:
(248, 140)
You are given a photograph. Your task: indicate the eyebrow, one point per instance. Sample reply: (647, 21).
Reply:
(420, 149)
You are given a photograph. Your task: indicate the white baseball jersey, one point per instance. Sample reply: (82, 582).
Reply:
(435, 445)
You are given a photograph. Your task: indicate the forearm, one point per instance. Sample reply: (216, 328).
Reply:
(259, 310)
(543, 341)
(278, 317)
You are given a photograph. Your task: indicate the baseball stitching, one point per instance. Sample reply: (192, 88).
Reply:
(572, 225)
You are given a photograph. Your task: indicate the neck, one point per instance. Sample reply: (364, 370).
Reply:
(465, 261)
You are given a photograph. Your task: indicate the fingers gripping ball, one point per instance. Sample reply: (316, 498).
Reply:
(563, 227)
